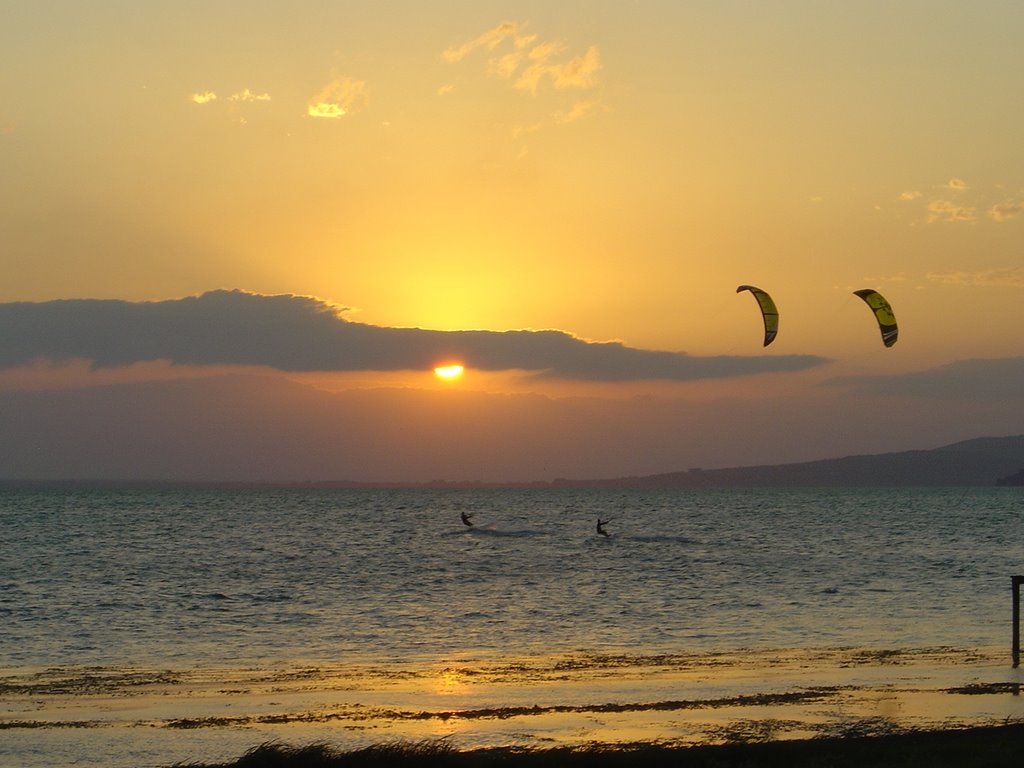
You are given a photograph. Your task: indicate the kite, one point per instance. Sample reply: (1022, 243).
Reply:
(883, 313)
(768, 312)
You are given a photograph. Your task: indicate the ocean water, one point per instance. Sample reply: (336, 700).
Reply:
(225, 576)
(243, 578)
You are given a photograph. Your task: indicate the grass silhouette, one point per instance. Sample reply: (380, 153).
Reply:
(981, 747)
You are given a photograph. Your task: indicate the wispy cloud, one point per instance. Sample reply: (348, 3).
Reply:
(948, 211)
(1011, 209)
(244, 95)
(1012, 277)
(529, 65)
(960, 202)
(296, 333)
(236, 105)
(491, 39)
(247, 95)
(578, 111)
(338, 98)
(579, 72)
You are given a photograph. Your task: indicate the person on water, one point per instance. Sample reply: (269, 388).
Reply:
(466, 518)
(600, 526)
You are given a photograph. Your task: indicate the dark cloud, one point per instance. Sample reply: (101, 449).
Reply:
(295, 333)
(976, 380)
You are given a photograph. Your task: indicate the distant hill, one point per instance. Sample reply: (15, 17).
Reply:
(1017, 478)
(984, 461)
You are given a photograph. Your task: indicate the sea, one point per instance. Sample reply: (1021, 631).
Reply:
(179, 580)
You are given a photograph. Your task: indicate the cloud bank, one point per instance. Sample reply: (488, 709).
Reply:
(298, 333)
(980, 380)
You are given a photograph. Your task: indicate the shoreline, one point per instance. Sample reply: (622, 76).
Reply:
(522, 705)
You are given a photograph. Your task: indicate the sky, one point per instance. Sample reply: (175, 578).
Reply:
(307, 207)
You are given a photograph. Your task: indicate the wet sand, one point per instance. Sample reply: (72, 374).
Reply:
(132, 716)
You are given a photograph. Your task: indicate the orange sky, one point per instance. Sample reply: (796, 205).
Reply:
(611, 171)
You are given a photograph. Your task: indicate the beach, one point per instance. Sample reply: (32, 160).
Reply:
(134, 716)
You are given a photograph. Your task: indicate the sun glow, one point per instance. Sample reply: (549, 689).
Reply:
(448, 372)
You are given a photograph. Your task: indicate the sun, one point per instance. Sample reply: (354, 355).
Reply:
(448, 372)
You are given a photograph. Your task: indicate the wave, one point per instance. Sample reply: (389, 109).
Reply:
(493, 530)
(513, 532)
(659, 539)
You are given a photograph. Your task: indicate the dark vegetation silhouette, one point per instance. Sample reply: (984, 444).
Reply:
(866, 746)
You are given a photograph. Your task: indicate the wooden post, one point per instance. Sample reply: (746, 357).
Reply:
(1017, 581)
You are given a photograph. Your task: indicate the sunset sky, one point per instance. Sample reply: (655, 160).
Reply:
(302, 199)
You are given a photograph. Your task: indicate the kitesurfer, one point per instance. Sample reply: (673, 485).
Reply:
(600, 526)
(466, 518)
